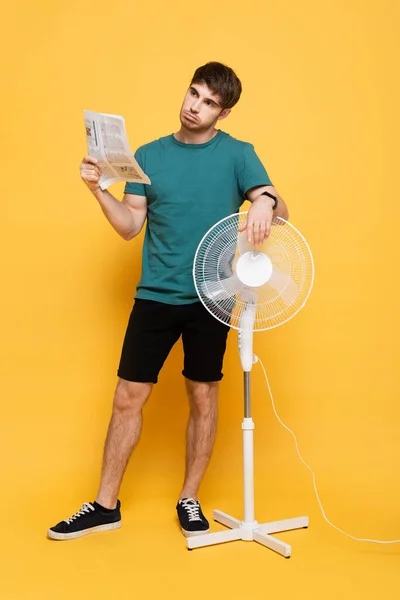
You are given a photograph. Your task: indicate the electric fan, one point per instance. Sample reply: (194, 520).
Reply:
(251, 289)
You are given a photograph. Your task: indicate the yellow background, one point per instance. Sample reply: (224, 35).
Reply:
(320, 104)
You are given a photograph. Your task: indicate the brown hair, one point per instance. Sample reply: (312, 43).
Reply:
(222, 80)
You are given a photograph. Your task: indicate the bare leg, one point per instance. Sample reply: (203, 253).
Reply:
(122, 436)
(200, 433)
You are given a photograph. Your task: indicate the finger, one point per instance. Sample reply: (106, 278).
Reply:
(263, 228)
(91, 177)
(90, 159)
(90, 167)
(91, 171)
(250, 232)
(86, 172)
(256, 232)
(268, 229)
(243, 226)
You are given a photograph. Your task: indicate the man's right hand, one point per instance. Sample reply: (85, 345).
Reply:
(90, 173)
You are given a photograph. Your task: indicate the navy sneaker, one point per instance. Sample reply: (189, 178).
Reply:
(191, 518)
(90, 518)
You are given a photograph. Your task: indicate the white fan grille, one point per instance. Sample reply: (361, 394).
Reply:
(225, 296)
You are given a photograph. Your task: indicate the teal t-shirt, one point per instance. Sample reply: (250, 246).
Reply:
(192, 187)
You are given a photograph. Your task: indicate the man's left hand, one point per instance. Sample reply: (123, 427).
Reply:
(258, 221)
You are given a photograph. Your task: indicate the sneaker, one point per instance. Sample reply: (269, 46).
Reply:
(88, 519)
(191, 518)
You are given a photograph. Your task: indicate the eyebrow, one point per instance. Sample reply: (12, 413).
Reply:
(209, 99)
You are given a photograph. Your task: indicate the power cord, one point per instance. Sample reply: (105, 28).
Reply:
(258, 359)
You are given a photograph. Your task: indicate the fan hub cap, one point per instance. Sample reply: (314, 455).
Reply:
(254, 269)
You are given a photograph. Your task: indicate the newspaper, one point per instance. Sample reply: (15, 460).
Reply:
(107, 141)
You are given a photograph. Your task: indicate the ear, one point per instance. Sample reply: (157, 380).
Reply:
(224, 113)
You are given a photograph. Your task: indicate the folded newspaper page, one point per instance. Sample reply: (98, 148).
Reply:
(107, 141)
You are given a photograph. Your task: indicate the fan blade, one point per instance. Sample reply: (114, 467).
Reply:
(243, 244)
(223, 289)
(285, 285)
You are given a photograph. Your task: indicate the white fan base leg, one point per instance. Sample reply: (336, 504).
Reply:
(240, 530)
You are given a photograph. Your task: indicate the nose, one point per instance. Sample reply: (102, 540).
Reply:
(195, 108)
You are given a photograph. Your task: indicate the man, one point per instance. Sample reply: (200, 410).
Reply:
(199, 175)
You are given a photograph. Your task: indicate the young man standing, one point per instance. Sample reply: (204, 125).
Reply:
(199, 175)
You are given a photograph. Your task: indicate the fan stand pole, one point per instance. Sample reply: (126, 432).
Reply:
(248, 529)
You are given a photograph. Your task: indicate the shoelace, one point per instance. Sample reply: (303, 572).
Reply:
(192, 508)
(86, 508)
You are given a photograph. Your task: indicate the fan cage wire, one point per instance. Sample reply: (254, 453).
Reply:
(285, 246)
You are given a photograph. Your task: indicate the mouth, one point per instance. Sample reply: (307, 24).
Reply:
(191, 117)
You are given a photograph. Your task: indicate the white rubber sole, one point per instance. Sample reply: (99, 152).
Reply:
(76, 534)
(193, 533)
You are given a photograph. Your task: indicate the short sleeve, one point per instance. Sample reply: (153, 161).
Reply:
(251, 172)
(139, 189)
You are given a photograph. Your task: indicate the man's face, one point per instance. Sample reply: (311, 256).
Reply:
(201, 108)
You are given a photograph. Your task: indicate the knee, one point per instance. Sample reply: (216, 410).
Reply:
(131, 396)
(203, 398)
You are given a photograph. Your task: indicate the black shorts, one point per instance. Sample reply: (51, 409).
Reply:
(154, 327)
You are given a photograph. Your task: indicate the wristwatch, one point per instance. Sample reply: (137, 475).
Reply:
(273, 198)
